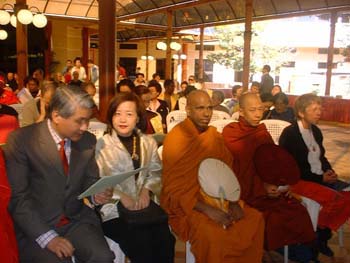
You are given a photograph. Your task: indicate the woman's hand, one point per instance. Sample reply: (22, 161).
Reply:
(128, 202)
(144, 199)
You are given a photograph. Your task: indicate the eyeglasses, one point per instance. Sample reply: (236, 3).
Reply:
(190, 79)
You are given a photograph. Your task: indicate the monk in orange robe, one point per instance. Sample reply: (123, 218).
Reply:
(286, 219)
(193, 216)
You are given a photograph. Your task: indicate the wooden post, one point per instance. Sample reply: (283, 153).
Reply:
(169, 34)
(330, 53)
(201, 51)
(85, 48)
(21, 46)
(147, 61)
(247, 42)
(48, 50)
(184, 62)
(107, 29)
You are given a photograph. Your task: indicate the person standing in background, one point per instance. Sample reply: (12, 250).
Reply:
(267, 82)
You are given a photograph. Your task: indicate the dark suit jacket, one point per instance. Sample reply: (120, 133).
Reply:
(292, 140)
(41, 192)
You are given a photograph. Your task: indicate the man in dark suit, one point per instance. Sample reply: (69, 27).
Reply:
(267, 82)
(49, 164)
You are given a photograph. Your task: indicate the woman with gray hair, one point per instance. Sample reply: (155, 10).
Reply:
(304, 141)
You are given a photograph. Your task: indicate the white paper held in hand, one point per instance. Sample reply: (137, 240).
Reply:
(108, 181)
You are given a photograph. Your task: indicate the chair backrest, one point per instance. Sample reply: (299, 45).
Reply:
(235, 116)
(220, 124)
(97, 128)
(19, 108)
(275, 128)
(175, 117)
(220, 115)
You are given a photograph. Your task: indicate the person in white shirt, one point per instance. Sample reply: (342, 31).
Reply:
(79, 67)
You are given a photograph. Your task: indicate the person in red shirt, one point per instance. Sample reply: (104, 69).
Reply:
(6, 96)
(8, 243)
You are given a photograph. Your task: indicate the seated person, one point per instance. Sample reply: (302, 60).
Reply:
(35, 110)
(31, 90)
(8, 122)
(267, 101)
(8, 243)
(286, 219)
(124, 149)
(182, 101)
(90, 88)
(169, 96)
(217, 98)
(193, 216)
(276, 89)
(75, 80)
(304, 141)
(156, 104)
(255, 87)
(233, 104)
(282, 111)
(125, 85)
(153, 119)
(7, 96)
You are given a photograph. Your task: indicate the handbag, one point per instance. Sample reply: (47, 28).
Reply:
(151, 215)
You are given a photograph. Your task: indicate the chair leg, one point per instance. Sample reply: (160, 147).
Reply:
(285, 254)
(189, 256)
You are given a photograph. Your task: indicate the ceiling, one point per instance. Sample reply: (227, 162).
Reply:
(149, 18)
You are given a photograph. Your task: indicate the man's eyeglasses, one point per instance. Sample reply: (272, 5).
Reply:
(190, 79)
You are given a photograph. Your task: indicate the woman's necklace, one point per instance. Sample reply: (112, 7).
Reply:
(134, 155)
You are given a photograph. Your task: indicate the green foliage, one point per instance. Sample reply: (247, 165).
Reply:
(231, 41)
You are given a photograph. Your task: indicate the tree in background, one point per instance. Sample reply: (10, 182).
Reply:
(231, 41)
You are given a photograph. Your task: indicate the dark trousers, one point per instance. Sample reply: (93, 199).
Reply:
(87, 239)
(147, 244)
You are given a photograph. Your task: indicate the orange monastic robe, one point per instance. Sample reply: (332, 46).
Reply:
(287, 221)
(184, 148)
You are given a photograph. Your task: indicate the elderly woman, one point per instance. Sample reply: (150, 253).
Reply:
(303, 139)
(124, 149)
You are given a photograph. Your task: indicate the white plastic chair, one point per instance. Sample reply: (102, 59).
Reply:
(19, 108)
(220, 124)
(235, 116)
(275, 128)
(97, 128)
(175, 117)
(220, 115)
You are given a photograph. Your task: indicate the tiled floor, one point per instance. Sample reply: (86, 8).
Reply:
(337, 144)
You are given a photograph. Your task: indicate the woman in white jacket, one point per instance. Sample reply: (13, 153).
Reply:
(124, 149)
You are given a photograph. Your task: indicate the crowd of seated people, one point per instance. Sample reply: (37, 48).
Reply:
(138, 110)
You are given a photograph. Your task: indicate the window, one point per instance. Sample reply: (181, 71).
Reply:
(208, 67)
(206, 47)
(289, 64)
(127, 46)
(324, 65)
(336, 51)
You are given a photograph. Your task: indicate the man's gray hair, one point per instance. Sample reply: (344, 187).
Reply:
(66, 100)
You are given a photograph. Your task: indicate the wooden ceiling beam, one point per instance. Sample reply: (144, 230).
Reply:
(164, 9)
(266, 17)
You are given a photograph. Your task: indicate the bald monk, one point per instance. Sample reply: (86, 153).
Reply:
(191, 216)
(286, 220)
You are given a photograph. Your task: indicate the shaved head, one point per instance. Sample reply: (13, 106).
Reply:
(199, 109)
(251, 108)
(247, 98)
(195, 95)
